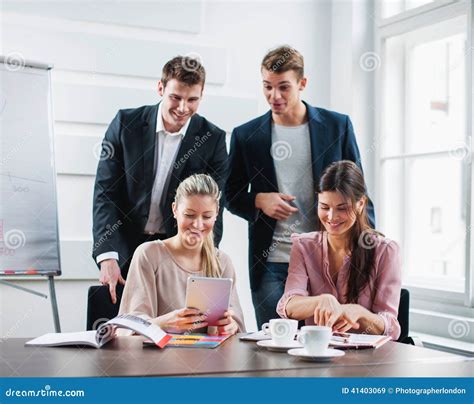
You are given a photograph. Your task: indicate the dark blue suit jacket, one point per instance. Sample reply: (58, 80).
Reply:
(124, 180)
(252, 171)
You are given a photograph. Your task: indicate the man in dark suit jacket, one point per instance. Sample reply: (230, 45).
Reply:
(146, 153)
(276, 161)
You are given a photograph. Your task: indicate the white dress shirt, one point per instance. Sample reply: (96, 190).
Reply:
(165, 155)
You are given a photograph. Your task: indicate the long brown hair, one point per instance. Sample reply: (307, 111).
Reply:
(347, 179)
(202, 184)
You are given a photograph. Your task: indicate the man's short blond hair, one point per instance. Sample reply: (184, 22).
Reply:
(283, 59)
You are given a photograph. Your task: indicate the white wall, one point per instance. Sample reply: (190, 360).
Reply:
(109, 57)
(353, 67)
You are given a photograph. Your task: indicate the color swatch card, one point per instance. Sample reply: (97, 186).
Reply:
(194, 340)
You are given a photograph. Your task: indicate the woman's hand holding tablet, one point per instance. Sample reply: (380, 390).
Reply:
(211, 296)
(182, 320)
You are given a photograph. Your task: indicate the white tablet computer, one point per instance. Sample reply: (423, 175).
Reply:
(210, 295)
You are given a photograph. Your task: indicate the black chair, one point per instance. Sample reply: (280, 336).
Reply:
(404, 317)
(100, 308)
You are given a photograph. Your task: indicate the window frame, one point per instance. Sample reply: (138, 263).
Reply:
(455, 303)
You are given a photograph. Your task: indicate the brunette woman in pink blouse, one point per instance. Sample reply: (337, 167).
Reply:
(348, 275)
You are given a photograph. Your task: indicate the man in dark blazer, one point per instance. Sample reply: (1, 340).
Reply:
(276, 161)
(146, 153)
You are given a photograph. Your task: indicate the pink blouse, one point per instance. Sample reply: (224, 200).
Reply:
(308, 275)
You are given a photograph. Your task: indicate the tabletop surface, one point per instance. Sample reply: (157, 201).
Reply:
(126, 356)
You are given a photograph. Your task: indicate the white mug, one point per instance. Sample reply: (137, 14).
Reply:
(282, 330)
(315, 338)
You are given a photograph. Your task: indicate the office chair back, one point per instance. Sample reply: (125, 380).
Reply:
(100, 308)
(404, 315)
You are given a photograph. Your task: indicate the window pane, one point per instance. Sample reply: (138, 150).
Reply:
(393, 114)
(436, 94)
(423, 200)
(393, 7)
(435, 222)
(425, 90)
(424, 209)
(392, 186)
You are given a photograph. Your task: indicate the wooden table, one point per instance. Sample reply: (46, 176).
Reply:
(126, 356)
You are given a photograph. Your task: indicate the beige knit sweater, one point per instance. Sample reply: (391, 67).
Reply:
(156, 283)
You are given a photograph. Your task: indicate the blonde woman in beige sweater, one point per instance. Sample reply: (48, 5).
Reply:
(156, 282)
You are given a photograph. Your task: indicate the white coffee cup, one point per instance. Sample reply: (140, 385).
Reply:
(315, 338)
(282, 330)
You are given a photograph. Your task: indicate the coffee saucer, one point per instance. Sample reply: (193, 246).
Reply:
(325, 357)
(271, 346)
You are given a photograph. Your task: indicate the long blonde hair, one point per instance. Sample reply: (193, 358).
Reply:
(203, 184)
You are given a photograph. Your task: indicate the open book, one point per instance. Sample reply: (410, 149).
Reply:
(105, 333)
(357, 341)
